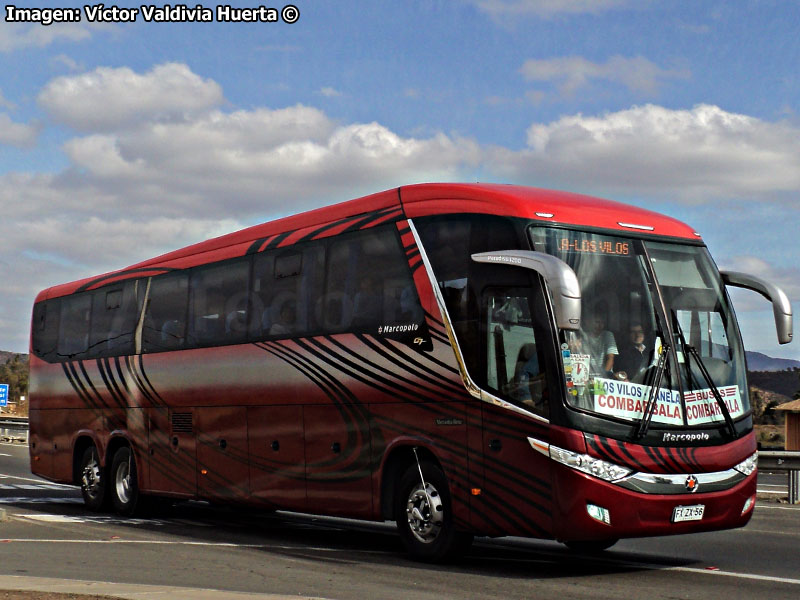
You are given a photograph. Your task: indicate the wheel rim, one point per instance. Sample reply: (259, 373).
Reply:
(91, 478)
(122, 483)
(425, 513)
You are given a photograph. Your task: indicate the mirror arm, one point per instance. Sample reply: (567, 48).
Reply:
(781, 307)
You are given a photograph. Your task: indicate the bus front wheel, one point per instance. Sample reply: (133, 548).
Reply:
(93, 481)
(424, 515)
(124, 483)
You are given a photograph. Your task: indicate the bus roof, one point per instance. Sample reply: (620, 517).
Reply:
(547, 206)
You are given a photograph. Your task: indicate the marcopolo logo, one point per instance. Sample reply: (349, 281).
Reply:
(686, 437)
(397, 328)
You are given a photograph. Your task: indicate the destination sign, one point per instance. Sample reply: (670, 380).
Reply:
(575, 243)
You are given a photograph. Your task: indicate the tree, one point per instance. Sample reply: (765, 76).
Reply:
(797, 393)
(15, 373)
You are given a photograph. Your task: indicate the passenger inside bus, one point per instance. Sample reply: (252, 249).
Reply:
(633, 354)
(286, 320)
(598, 342)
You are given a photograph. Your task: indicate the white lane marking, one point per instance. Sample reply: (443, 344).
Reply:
(187, 543)
(27, 486)
(652, 567)
(737, 575)
(789, 533)
(40, 481)
(31, 500)
(761, 506)
(103, 519)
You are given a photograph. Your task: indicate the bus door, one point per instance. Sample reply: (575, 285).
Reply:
(338, 450)
(277, 455)
(222, 453)
(519, 370)
(173, 461)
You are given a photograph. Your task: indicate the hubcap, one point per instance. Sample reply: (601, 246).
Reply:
(122, 482)
(425, 513)
(90, 479)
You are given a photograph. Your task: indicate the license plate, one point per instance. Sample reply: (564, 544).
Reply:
(688, 513)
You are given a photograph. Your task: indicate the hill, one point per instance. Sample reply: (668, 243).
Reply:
(785, 383)
(761, 362)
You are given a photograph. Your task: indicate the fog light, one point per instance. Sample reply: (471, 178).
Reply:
(749, 504)
(598, 513)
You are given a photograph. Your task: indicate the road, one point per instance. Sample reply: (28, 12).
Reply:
(47, 533)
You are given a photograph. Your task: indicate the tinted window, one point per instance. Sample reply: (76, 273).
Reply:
(449, 242)
(164, 326)
(287, 286)
(115, 314)
(219, 304)
(73, 334)
(45, 329)
(369, 284)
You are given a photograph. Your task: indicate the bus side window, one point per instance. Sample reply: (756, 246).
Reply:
(115, 312)
(164, 326)
(73, 334)
(219, 304)
(286, 285)
(45, 329)
(369, 285)
(515, 366)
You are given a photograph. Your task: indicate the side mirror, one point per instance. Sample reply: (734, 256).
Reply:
(781, 307)
(559, 277)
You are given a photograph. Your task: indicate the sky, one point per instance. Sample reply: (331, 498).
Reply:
(121, 140)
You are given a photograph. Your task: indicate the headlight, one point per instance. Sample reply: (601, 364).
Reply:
(588, 464)
(748, 465)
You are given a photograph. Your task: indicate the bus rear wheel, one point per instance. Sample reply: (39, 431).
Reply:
(124, 483)
(424, 515)
(93, 481)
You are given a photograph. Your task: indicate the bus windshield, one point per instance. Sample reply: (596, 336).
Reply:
(641, 299)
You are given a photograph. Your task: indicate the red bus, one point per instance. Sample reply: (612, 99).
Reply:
(462, 359)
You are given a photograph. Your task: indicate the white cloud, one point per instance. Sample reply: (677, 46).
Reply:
(144, 184)
(695, 155)
(753, 311)
(572, 73)
(330, 92)
(17, 36)
(4, 103)
(17, 134)
(64, 61)
(786, 278)
(107, 98)
(547, 8)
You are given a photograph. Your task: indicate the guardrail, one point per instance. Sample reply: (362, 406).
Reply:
(789, 461)
(13, 429)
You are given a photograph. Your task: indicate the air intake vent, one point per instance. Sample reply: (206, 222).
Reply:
(181, 422)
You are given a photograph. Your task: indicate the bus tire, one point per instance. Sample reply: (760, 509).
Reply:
(424, 516)
(124, 483)
(93, 481)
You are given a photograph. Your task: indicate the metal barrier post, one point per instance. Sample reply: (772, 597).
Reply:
(794, 487)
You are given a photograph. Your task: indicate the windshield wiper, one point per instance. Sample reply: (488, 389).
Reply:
(692, 351)
(652, 399)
